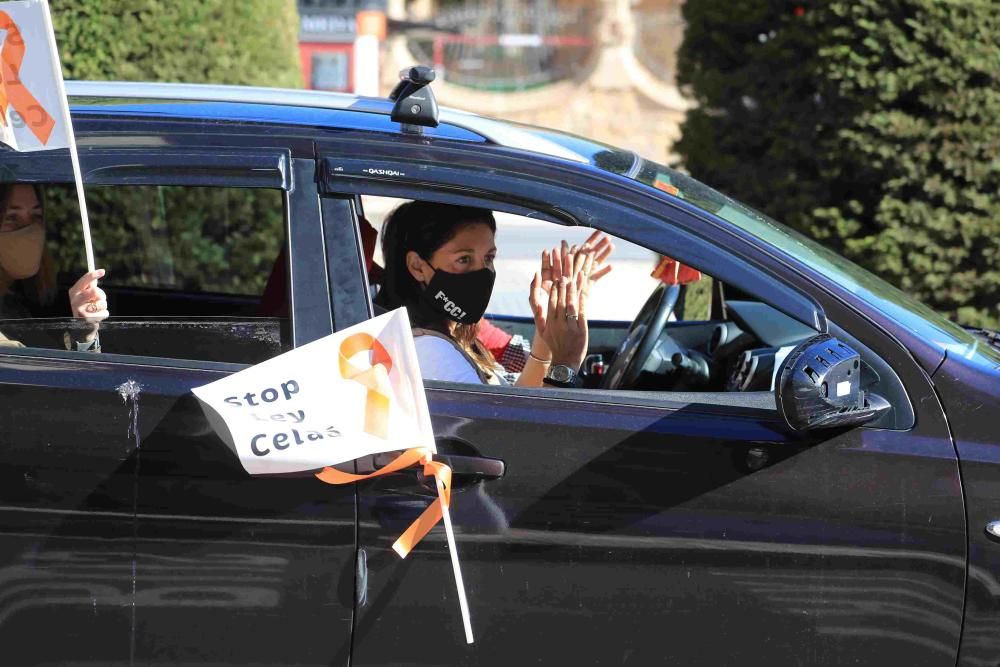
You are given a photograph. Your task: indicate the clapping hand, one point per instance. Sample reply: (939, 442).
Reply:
(566, 333)
(583, 265)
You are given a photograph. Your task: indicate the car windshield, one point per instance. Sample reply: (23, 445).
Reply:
(923, 321)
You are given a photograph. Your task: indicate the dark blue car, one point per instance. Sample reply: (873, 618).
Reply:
(806, 471)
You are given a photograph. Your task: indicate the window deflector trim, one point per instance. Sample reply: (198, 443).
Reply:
(334, 183)
(217, 166)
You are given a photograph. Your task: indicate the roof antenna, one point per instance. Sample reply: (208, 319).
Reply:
(415, 105)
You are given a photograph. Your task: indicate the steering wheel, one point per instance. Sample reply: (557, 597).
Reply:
(641, 338)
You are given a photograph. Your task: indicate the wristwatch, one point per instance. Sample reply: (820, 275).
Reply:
(561, 376)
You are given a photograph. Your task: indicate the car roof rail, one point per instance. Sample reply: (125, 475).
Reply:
(495, 131)
(415, 106)
(201, 92)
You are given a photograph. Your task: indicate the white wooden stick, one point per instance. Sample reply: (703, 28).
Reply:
(453, 550)
(71, 139)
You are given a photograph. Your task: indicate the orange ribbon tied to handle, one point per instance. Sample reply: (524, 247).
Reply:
(436, 511)
(430, 516)
(375, 377)
(12, 91)
(377, 405)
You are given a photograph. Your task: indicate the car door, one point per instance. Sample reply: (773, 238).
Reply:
(67, 495)
(148, 521)
(597, 527)
(67, 510)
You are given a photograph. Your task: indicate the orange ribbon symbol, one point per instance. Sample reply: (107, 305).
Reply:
(376, 378)
(430, 516)
(12, 91)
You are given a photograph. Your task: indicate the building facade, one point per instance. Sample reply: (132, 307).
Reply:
(600, 68)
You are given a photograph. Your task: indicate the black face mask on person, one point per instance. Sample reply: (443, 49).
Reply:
(461, 297)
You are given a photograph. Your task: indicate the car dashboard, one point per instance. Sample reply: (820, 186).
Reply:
(741, 353)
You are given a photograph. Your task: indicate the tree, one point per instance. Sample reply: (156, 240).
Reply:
(251, 42)
(869, 125)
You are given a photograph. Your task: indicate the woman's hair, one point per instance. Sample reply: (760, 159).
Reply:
(423, 227)
(41, 287)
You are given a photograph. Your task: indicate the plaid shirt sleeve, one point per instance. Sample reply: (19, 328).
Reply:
(514, 357)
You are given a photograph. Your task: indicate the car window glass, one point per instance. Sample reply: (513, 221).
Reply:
(520, 240)
(192, 273)
(927, 323)
(739, 351)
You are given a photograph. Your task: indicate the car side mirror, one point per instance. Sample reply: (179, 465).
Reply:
(822, 384)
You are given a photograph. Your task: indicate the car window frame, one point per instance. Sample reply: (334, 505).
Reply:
(759, 404)
(310, 305)
(347, 276)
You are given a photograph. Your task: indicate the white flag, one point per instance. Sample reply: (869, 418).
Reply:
(350, 394)
(34, 115)
(353, 393)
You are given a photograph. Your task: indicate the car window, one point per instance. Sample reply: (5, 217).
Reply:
(520, 240)
(692, 353)
(928, 324)
(192, 273)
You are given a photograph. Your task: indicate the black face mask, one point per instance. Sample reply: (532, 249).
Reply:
(461, 297)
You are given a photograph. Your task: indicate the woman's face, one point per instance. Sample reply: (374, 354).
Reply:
(471, 249)
(23, 209)
(22, 233)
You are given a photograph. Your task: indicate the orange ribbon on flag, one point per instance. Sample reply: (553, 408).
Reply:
(375, 377)
(430, 516)
(12, 91)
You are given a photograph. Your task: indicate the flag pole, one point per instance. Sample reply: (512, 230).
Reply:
(449, 532)
(88, 245)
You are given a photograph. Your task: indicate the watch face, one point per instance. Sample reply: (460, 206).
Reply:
(560, 373)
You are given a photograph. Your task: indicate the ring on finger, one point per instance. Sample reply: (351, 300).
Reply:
(572, 316)
(92, 307)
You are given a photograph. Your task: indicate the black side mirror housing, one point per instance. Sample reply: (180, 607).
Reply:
(820, 385)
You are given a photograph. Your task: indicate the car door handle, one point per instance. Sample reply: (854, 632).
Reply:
(478, 467)
(473, 466)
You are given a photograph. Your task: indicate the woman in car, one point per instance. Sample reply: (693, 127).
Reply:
(27, 272)
(439, 265)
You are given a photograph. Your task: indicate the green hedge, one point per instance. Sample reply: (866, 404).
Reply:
(198, 239)
(231, 237)
(250, 42)
(869, 125)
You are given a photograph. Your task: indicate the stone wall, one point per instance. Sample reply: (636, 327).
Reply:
(615, 99)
